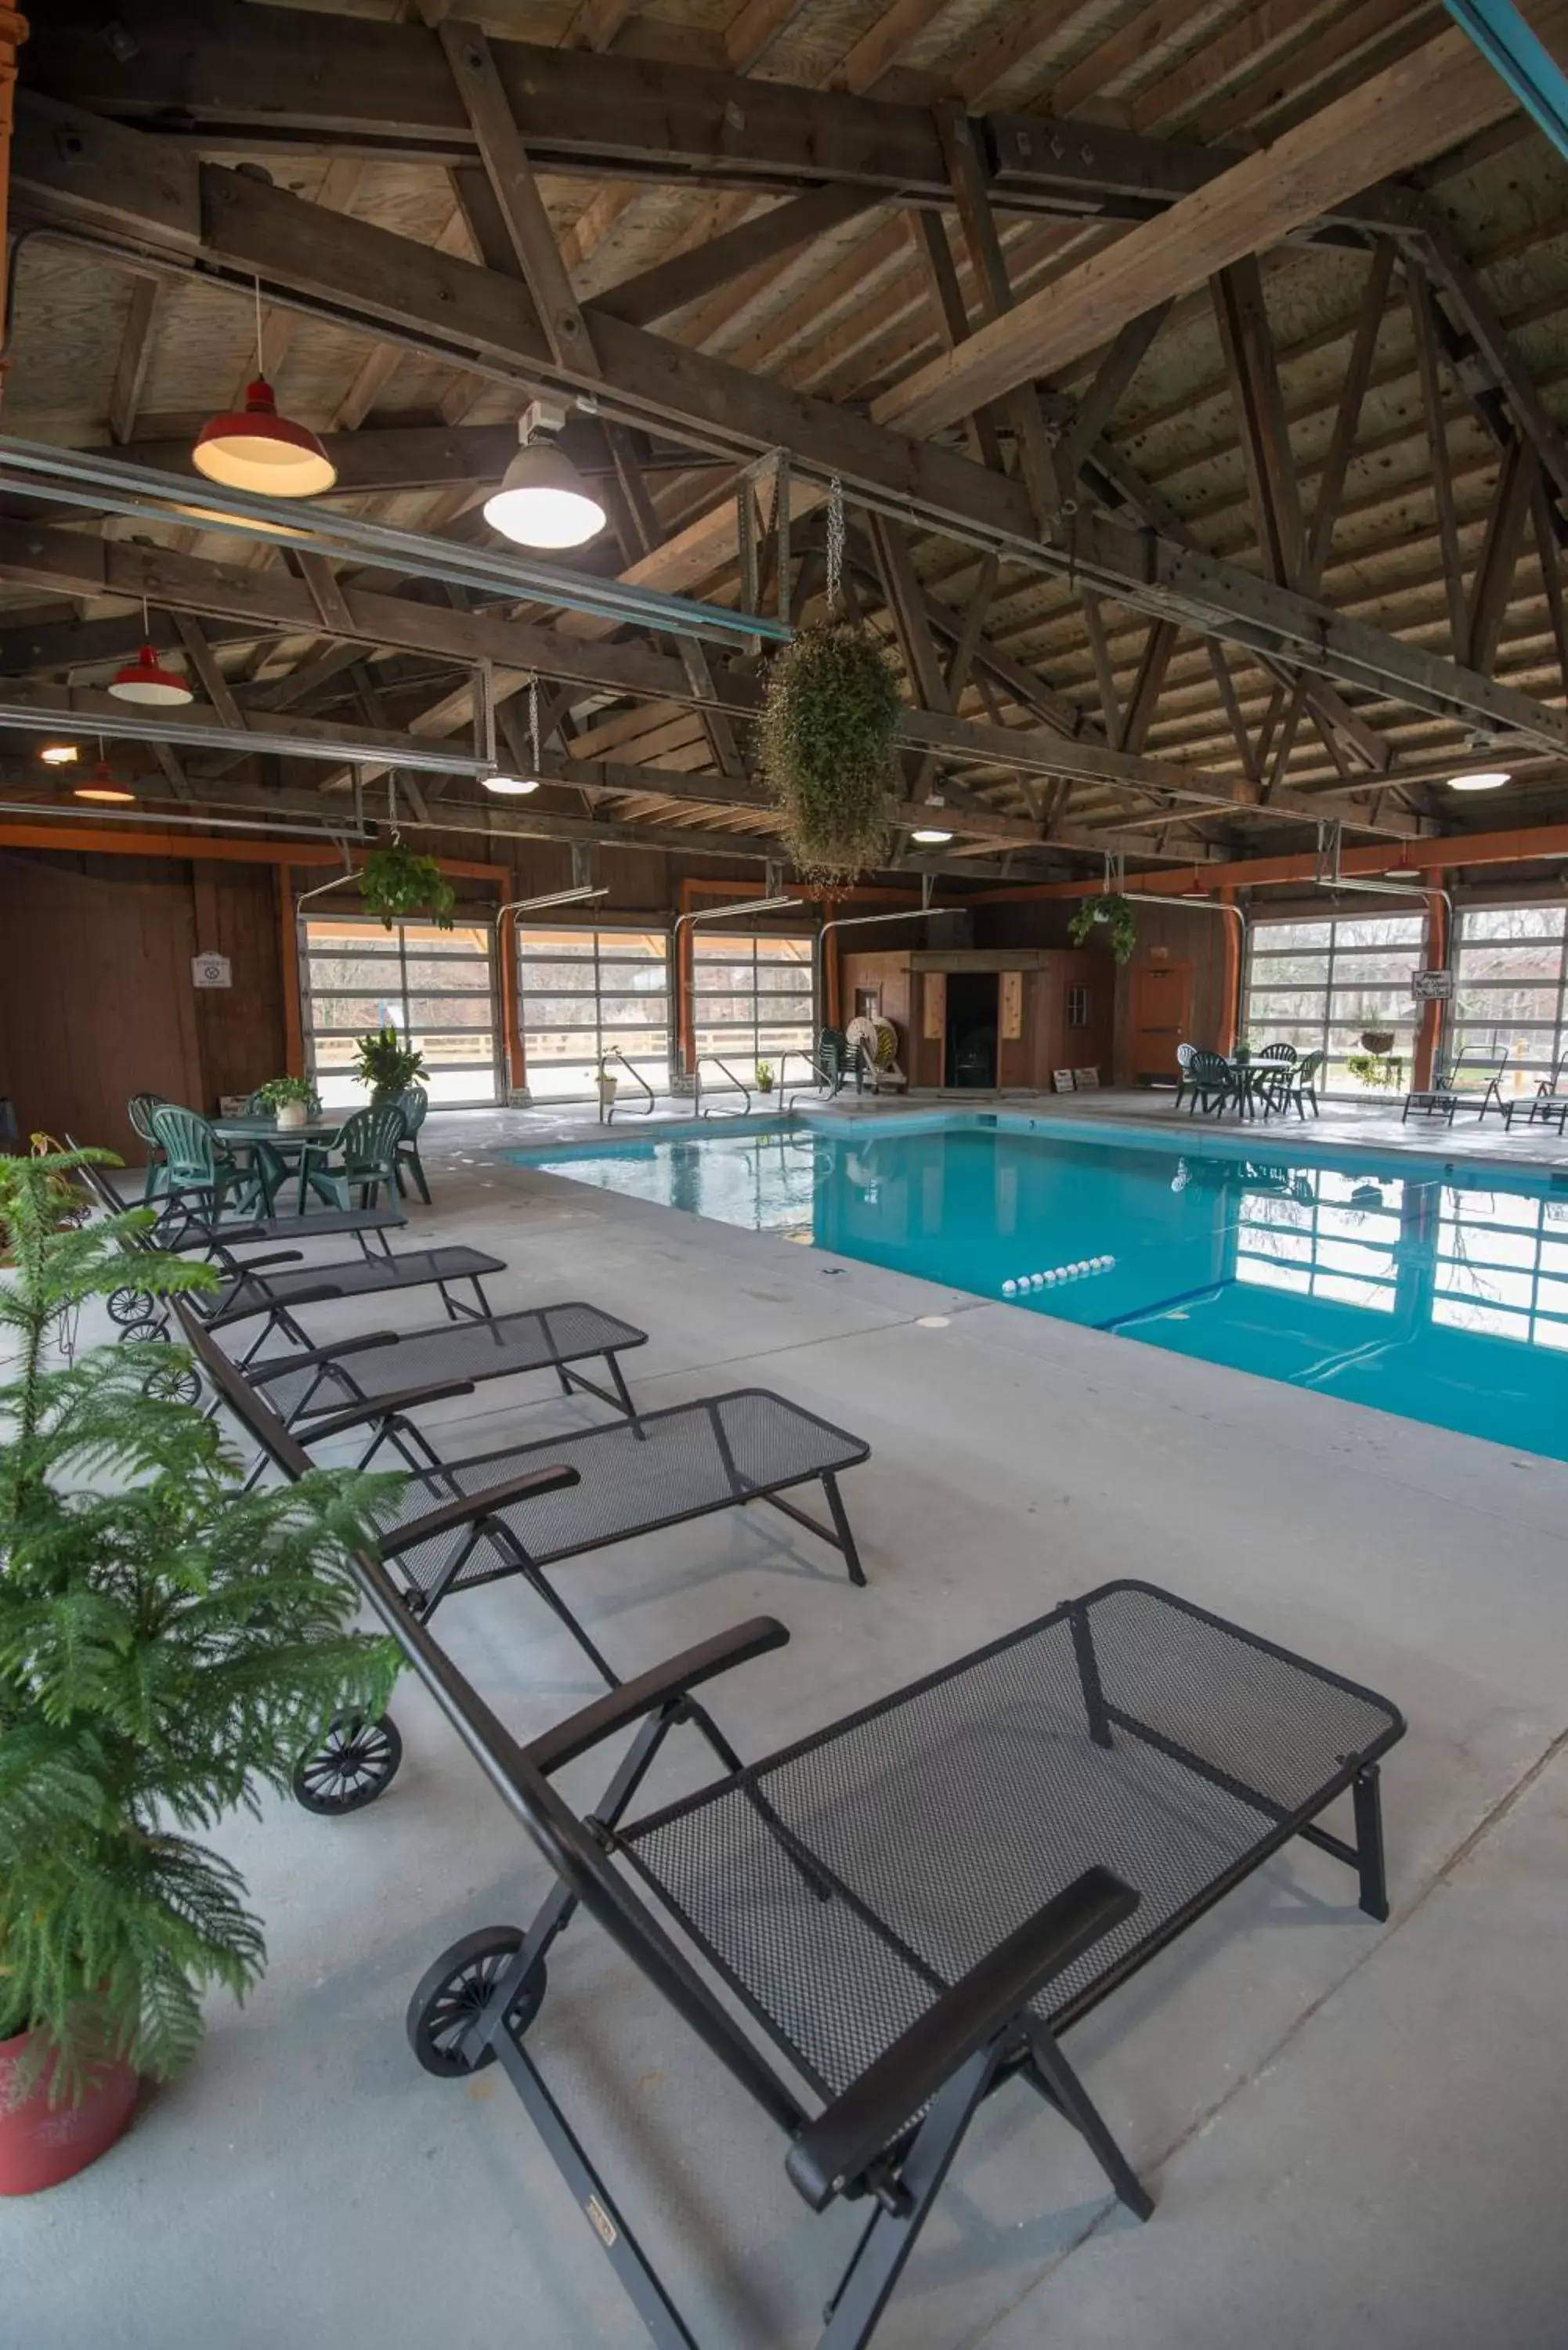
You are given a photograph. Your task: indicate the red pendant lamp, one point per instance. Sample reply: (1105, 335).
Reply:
(104, 786)
(255, 448)
(146, 680)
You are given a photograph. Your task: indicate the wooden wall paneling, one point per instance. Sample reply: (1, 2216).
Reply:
(1195, 938)
(95, 991)
(240, 1030)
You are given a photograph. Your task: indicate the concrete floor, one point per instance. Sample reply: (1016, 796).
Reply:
(1355, 2134)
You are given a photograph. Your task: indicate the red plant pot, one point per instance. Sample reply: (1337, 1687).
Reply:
(40, 2145)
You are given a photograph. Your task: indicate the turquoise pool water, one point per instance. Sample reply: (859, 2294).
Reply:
(1435, 1291)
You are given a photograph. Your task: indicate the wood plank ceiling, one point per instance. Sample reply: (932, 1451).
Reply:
(1195, 370)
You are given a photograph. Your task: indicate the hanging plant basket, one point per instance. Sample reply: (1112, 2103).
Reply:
(1117, 914)
(396, 884)
(829, 737)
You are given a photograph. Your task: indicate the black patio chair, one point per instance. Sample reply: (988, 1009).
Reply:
(1208, 1077)
(912, 1907)
(635, 1477)
(358, 1758)
(1447, 1094)
(1551, 1100)
(271, 1286)
(374, 1380)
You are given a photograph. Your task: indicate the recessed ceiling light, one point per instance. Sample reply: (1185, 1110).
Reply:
(930, 838)
(60, 755)
(509, 787)
(1480, 779)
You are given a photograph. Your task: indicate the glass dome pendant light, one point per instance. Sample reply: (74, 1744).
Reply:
(255, 448)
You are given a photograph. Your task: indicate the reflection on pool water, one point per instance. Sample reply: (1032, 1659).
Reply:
(1435, 1291)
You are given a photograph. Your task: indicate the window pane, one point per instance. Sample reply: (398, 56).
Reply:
(1380, 931)
(1387, 967)
(1541, 960)
(1514, 922)
(1293, 934)
(1290, 970)
(450, 1012)
(1267, 1004)
(448, 970)
(1507, 1007)
(356, 1012)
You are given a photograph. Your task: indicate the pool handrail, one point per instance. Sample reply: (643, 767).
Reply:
(739, 1083)
(615, 1054)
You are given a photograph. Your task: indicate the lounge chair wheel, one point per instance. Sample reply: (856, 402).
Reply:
(126, 1305)
(356, 1762)
(171, 1382)
(454, 1990)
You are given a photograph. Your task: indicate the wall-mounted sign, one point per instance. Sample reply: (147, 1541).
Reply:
(1432, 986)
(212, 971)
(934, 994)
(1011, 1006)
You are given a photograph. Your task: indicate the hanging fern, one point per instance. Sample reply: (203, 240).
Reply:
(395, 883)
(1115, 912)
(829, 735)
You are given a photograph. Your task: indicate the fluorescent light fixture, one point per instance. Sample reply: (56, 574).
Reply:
(1480, 779)
(60, 755)
(542, 499)
(929, 836)
(513, 787)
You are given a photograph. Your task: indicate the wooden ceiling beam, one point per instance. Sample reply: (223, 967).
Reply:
(247, 228)
(1444, 92)
(672, 284)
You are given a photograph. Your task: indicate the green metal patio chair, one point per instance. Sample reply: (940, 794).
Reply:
(139, 1109)
(414, 1104)
(1301, 1085)
(199, 1174)
(366, 1150)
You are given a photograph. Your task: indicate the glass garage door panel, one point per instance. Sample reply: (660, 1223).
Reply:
(435, 987)
(1508, 992)
(586, 993)
(1318, 985)
(752, 998)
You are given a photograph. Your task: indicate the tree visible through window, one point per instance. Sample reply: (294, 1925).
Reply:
(587, 994)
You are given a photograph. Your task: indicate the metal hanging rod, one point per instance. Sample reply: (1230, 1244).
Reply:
(63, 714)
(103, 484)
(53, 809)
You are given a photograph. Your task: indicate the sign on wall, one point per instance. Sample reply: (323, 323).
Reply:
(1011, 1006)
(1432, 986)
(212, 971)
(934, 1004)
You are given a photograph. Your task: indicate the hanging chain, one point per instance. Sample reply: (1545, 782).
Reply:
(533, 721)
(392, 804)
(260, 356)
(835, 543)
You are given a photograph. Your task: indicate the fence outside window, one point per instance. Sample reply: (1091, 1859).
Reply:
(436, 987)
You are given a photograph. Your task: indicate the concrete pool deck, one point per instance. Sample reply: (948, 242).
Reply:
(1355, 2134)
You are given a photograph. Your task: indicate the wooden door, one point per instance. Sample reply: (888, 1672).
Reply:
(1162, 1016)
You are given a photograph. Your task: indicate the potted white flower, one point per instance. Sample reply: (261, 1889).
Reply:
(607, 1083)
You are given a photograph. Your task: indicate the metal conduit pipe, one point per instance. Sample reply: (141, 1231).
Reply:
(775, 904)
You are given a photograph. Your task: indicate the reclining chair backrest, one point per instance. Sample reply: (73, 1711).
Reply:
(573, 1853)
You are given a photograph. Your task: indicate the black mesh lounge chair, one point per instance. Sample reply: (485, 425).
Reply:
(270, 1287)
(1551, 1098)
(635, 1477)
(910, 1907)
(1455, 1088)
(375, 1380)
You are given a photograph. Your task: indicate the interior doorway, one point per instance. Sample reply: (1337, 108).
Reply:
(971, 1029)
(1162, 1018)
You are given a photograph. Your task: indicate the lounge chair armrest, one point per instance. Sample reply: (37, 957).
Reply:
(276, 1366)
(832, 2154)
(469, 1506)
(676, 1678)
(243, 1264)
(314, 1430)
(246, 1309)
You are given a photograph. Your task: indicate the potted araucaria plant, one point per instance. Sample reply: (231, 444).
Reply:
(290, 1100)
(764, 1076)
(170, 1644)
(384, 1063)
